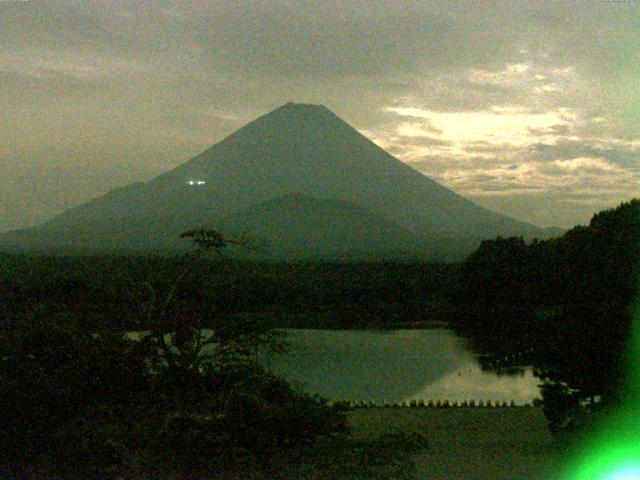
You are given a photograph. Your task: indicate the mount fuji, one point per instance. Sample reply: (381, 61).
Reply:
(300, 181)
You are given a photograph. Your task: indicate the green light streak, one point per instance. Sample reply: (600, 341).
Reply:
(614, 451)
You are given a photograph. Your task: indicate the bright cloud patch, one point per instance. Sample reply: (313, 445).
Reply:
(501, 125)
(528, 147)
(586, 164)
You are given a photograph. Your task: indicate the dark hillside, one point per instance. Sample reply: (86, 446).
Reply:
(305, 294)
(564, 304)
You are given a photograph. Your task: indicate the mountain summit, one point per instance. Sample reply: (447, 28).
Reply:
(298, 149)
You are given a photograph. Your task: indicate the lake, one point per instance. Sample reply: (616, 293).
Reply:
(395, 366)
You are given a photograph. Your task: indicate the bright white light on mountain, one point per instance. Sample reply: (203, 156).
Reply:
(196, 182)
(201, 182)
(191, 182)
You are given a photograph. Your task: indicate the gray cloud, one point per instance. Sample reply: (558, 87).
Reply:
(627, 157)
(102, 93)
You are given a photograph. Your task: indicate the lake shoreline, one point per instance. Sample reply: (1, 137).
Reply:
(395, 366)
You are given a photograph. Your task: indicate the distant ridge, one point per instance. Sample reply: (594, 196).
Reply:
(300, 226)
(297, 149)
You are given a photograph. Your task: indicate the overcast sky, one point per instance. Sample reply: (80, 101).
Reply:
(531, 109)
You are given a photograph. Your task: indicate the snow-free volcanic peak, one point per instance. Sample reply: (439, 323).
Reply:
(297, 149)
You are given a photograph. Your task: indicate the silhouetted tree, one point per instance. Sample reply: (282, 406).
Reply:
(85, 400)
(563, 305)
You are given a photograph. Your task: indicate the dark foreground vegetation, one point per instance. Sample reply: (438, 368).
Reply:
(80, 398)
(564, 305)
(301, 295)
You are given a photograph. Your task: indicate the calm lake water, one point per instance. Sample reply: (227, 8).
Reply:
(396, 366)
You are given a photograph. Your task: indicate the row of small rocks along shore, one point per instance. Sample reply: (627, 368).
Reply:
(351, 404)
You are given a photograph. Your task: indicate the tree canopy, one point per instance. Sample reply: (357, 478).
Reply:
(565, 302)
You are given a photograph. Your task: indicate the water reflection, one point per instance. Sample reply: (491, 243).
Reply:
(395, 366)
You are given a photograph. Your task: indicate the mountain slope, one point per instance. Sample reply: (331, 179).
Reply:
(295, 149)
(299, 226)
